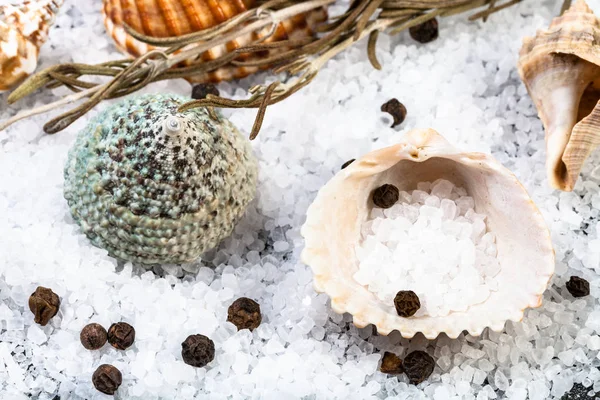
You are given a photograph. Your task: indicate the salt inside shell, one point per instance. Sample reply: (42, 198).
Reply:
(334, 221)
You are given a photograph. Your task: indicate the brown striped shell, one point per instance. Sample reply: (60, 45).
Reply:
(168, 18)
(561, 68)
(23, 30)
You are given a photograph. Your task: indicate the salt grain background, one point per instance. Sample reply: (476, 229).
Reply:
(465, 85)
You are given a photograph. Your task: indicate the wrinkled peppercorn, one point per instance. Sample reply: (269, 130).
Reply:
(391, 364)
(244, 313)
(44, 304)
(201, 90)
(396, 110)
(344, 165)
(107, 379)
(425, 32)
(121, 335)
(407, 303)
(418, 366)
(385, 196)
(93, 336)
(578, 287)
(197, 350)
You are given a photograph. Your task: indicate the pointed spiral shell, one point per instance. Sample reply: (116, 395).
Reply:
(23, 30)
(168, 18)
(560, 67)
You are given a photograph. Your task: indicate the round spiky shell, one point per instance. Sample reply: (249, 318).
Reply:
(154, 185)
(169, 18)
(23, 30)
(560, 67)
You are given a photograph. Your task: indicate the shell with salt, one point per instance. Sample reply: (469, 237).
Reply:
(560, 67)
(334, 220)
(23, 30)
(154, 185)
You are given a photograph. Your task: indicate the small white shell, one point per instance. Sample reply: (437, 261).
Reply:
(23, 30)
(333, 225)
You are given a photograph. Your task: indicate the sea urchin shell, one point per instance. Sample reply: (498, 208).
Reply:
(154, 185)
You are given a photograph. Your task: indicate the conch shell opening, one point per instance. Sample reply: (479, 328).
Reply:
(334, 221)
(561, 70)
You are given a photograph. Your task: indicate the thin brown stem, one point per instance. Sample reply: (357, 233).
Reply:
(184, 56)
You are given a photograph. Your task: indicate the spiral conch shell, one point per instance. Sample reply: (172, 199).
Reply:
(23, 30)
(561, 69)
(169, 18)
(334, 220)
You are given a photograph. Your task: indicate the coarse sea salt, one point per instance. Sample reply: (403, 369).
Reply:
(464, 84)
(431, 242)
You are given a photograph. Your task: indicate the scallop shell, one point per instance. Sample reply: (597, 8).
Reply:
(334, 220)
(561, 70)
(177, 17)
(154, 185)
(23, 31)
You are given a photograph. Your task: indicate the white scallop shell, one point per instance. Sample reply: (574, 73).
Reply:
(23, 30)
(333, 225)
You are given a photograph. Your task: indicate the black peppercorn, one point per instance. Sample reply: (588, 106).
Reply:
(197, 350)
(578, 287)
(425, 32)
(107, 379)
(385, 196)
(44, 304)
(407, 303)
(244, 313)
(201, 90)
(418, 366)
(391, 364)
(93, 336)
(344, 165)
(121, 335)
(396, 110)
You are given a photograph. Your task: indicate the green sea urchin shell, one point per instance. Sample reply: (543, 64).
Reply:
(154, 185)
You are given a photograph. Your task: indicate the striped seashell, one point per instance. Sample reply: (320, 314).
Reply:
(560, 67)
(23, 30)
(168, 18)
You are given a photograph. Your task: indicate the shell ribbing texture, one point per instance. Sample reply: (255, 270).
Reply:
(560, 67)
(23, 30)
(154, 185)
(168, 18)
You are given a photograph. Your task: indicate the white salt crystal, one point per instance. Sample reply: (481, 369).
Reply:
(280, 246)
(501, 381)
(594, 342)
(419, 196)
(441, 393)
(593, 321)
(464, 204)
(449, 209)
(479, 377)
(433, 201)
(36, 335)
(444, 363)
(442, 188)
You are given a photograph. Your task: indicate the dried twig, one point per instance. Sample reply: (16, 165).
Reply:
(181, 56)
